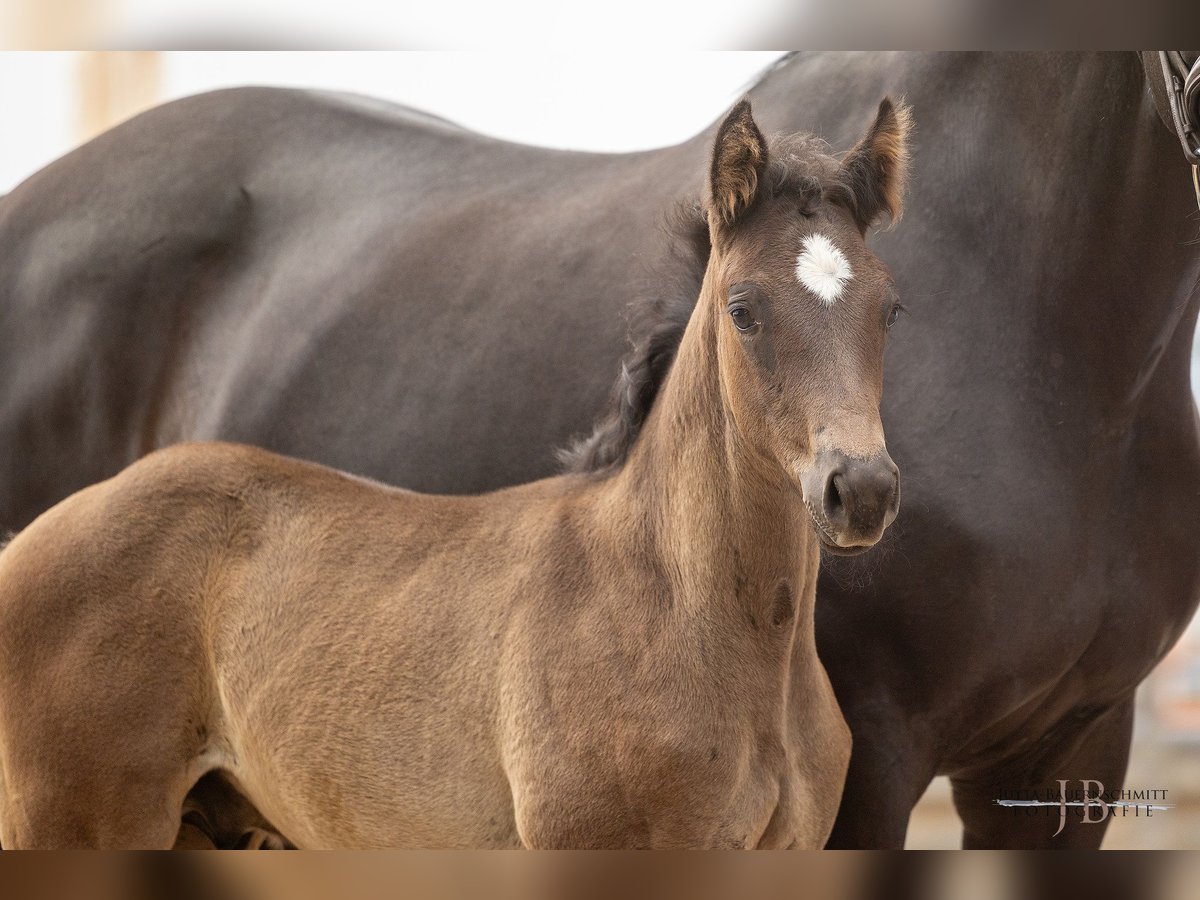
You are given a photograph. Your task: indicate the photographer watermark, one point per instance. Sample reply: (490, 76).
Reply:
(1090, 804)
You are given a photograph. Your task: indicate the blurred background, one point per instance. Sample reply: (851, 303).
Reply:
(538, 24)
(595, 101)
(601, 101)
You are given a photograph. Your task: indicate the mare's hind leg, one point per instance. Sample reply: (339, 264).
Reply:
(1092, 745)
(216, 815)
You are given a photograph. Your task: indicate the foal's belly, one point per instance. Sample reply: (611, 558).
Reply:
(346, 788)
(365, 731)
(352, 794)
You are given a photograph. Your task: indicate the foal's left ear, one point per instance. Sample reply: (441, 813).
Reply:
(876, 168)
(738, 162)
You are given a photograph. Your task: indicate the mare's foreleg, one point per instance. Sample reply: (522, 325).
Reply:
(1091, 744)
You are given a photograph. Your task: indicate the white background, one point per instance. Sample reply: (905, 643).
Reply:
(587, 101)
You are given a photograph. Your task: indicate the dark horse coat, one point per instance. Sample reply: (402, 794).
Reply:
(383, 292)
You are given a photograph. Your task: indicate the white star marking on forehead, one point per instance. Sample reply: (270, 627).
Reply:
(823, 268)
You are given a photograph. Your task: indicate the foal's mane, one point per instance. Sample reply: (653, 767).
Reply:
(656, 322)
(800, 165)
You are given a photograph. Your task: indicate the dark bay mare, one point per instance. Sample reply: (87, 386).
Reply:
(383, 292)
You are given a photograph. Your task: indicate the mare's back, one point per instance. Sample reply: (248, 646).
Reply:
(325, 276)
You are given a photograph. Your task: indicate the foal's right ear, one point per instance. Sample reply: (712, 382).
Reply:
(738, 162)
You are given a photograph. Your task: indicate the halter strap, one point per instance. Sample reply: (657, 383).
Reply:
(1183, 96)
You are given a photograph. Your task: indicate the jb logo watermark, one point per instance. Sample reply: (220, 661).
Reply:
(1090, 804)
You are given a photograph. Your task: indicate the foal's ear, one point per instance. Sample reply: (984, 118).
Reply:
(876, 168)
(738, 161)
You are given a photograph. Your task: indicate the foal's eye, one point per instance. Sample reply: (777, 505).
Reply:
(742, 318)
(894, 314)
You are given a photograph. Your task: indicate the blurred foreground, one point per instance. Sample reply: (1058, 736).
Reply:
(842, 876)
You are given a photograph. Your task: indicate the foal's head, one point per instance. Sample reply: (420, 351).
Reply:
(803, 310)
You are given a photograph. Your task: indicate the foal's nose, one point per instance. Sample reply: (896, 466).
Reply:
(858, 498)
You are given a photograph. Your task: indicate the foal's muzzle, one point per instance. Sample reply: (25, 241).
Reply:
(851, 501)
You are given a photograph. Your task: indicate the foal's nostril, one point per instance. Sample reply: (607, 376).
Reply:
(893, 492)
(836, 497)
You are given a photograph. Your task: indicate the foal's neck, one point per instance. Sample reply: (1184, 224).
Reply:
(716, 508)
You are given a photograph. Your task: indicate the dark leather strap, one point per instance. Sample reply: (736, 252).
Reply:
(1182, 77)
(1183, 93)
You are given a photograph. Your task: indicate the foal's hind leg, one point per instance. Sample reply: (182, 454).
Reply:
(106, 696)
(95, 767)
(98, 759)
(135, 813)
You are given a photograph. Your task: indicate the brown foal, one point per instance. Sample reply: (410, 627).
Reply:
(623, 659)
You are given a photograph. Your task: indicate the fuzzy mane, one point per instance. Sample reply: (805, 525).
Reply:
(656, 324)
(799, 165)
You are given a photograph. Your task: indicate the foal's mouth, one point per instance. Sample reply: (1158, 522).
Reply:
(827, 535)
